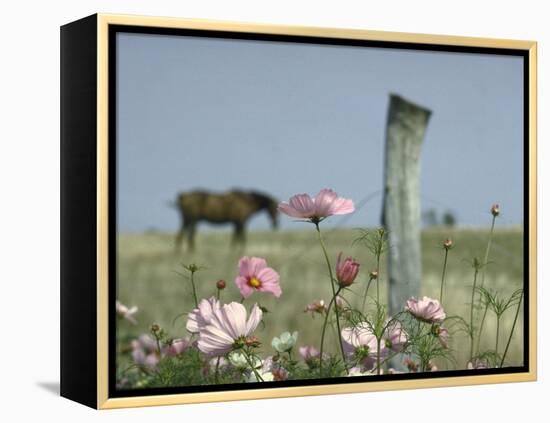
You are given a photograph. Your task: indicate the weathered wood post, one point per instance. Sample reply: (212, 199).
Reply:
(405, 131)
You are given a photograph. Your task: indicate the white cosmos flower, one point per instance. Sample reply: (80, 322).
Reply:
(228, 325)
(285, 342)
(126, 312)
(358, 371)
(238, 359)
(202, 315)
(266, 377)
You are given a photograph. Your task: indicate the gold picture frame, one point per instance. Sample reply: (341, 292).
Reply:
(98, 27)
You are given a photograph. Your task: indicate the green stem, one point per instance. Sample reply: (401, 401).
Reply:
(194, 289)
(498, 330)
(378, 357)
(216, 374)
(472, 314)
(324, 331)
(390, 357)
(443, 276)
(334, 293)
(481, 328)
(365, 296)
(326, 259)
(158, 345)
(487, 250)
(378, 278)
(511, 331)
(247, 357)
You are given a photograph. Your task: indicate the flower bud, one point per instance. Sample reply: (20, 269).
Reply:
(220, 284)
(411, 365)
(316, 307)
(340, 303)
(448, 244)
(346, 271)
(155, 328)
(280, 374)
(495, 210)
(443, 335)
(432, 366)
(252, 341)
(373, 275)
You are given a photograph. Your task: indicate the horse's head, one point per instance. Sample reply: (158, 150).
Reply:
(269, 204)
(274, 214)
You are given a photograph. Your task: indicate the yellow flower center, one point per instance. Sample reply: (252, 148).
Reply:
(254, 282)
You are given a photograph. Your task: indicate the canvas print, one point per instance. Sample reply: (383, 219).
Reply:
(294, 212)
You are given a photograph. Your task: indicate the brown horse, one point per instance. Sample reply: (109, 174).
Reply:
(234, 207)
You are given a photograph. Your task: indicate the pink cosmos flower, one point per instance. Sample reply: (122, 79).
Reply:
(325, 203)
(177, 347)
(443, 335)
(227, 328)
(201, 315)
(426, 309)
(309, 352)
(145, 351)
(361, 342)
(395, 336)
(254, 275)
(279, 373)
(346, 271)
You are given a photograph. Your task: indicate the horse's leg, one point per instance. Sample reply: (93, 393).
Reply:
(191, 236)
(238, 235)
(180, 235)
(242, 235)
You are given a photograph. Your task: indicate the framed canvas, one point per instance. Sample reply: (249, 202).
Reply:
(258, 211)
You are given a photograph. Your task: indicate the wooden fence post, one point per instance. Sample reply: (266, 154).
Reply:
(406, 126)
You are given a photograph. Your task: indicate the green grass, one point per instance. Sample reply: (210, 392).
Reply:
(148, 277)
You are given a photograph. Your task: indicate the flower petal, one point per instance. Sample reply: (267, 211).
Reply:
(254, 319)
(255, 265)
(234, 319)
(192, 325)
(244, 267)
(245, 289)
(341, 206)
(273, 288)
(323, 202)
(268, 276)
(287, 209)
(303, 204)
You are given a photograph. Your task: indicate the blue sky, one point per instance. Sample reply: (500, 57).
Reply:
(286, 118)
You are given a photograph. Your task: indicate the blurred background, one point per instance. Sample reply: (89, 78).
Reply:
(210, 114)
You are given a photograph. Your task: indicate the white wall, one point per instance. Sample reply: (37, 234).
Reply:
(29, 182)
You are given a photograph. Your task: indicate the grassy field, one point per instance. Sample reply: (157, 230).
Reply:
(148, 277)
